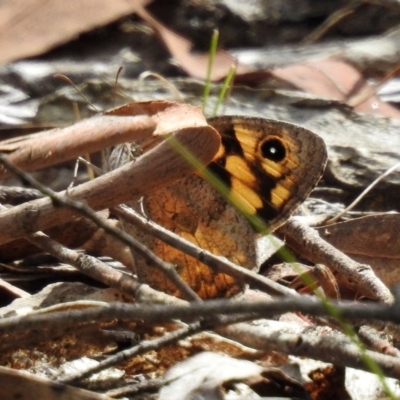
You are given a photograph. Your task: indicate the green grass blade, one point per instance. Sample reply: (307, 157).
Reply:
(211, 59)
(225, 86)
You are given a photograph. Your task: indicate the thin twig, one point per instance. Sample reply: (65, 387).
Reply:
(149, 385)
(189, 311)
(217, 264)
(141, 348)
(70, 82)
(362, 195)
(100, 271)
(331, 347)
(82, 208)
(258, 337)
(333, 20)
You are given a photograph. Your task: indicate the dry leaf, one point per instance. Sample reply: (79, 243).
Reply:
(189, 127)
(372, 240)
(328, 383)
(195, 65)
(206, 375)
(321, 277)
(335, 80)
(32, 27)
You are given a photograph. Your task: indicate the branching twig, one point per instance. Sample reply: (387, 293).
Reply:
(317, 250)
(254, 336)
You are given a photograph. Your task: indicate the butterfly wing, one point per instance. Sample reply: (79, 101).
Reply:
(194, 210)
(269, 166)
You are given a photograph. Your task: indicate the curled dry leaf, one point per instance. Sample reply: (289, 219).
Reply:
(160, 166)
(320, 277)
(305, 279)
(133, 121)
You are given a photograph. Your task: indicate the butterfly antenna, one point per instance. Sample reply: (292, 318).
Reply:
(115, 86)
(69, 81)
(118, 74)
(169, 86)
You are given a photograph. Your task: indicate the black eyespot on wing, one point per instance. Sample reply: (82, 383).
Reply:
(273, 149)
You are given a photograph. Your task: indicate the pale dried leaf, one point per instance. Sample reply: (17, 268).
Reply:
(202, 376)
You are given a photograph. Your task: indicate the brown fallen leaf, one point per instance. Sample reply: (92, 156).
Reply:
(130, 122)
(55, 146)
(372, 240)
(29, 28)
(334, 79)
(32, 27)
(194, 64)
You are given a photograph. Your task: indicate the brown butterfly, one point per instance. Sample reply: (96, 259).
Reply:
(269, 167)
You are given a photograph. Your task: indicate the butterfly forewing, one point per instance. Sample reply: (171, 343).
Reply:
(268, 166)
(280, 163)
